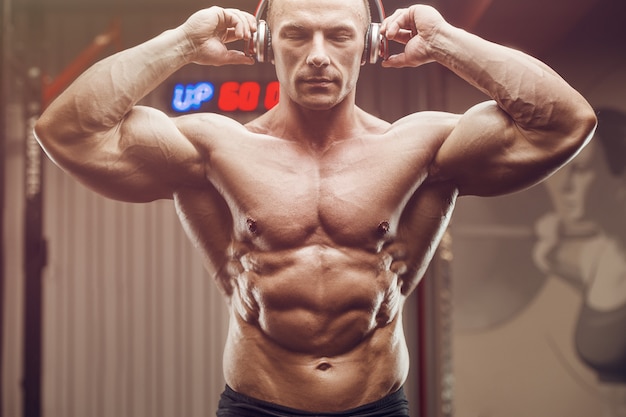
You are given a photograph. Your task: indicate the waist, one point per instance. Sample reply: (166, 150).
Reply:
(257, 366)
(233, 403)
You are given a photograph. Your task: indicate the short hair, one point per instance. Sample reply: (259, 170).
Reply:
(366, 3)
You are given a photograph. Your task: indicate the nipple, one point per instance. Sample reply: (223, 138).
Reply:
(252, 226)
(383, 228)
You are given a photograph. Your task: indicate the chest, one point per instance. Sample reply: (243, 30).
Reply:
(353, 194)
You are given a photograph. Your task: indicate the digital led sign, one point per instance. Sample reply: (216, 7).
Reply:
(226, 97)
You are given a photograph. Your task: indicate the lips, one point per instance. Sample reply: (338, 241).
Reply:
(315, 77)
(317, 81)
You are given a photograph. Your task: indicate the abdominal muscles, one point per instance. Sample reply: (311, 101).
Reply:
(322, 319)
(317, 300)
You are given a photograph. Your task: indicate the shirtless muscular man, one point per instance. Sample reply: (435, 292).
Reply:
(317, 220)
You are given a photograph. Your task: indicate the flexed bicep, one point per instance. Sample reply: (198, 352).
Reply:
(487, 154)
(155, 156)
(535, 123)
(96, 131)
(144, 158)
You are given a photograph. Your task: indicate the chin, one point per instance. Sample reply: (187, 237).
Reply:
(325, 103)
(319, 106)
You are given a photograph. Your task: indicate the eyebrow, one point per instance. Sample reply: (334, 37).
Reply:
(342, 28)
(292, 26)
(334, 29)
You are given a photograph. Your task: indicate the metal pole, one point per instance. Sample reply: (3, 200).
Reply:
(34, 256)
(4, 53)
(34, 243)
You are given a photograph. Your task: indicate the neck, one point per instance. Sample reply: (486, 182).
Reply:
(318, 129)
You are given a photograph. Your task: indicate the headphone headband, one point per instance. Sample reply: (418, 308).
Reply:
(260, 9)
(260, 45)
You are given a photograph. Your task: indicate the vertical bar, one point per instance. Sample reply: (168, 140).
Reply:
(430, 343)
(34, 244)
(422, 354)
(4, 53)
(34, 251)
(446, 310)
(433, 310)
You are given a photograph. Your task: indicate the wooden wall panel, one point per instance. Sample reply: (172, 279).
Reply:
(134, 326)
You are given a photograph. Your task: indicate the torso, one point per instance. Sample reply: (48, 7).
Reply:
(316, 253)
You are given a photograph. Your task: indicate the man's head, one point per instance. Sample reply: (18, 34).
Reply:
(317, 48)
(366, 9)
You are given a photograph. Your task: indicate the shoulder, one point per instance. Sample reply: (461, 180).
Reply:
(370, 123)
(425, 131)
(206, 131)
(433, 122)
(207, 125)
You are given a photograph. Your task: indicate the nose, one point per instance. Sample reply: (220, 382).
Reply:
(318, 57)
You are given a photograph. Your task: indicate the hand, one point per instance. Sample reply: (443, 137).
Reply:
(412, 27)
(209, 30)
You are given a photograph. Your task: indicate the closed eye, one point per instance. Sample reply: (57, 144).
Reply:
(341, 38)
(294, 36)
(341, 35)
(293, 32)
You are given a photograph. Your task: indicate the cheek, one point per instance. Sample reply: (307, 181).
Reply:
(284, 67)
(352, 69)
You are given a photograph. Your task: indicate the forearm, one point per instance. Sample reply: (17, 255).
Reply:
(101, 97)
(531, 93)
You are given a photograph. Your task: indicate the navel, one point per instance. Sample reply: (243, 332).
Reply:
(324, 366)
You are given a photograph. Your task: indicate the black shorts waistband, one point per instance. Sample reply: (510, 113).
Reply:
(234, 404)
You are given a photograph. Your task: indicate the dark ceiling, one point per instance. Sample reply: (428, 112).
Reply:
(535, 26)
(540, 26)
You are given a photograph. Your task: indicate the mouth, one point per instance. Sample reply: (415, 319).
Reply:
(317, 81)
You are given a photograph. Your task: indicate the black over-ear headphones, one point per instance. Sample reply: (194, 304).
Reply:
(260, 46)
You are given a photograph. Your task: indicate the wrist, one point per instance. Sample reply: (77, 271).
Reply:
(185, 46)
(444, 43)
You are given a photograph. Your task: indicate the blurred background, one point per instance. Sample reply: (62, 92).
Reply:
(105, 309)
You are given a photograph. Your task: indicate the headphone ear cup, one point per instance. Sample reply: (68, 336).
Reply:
(368, 46)
(376, 45)
(269, 52)
(263, 42)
